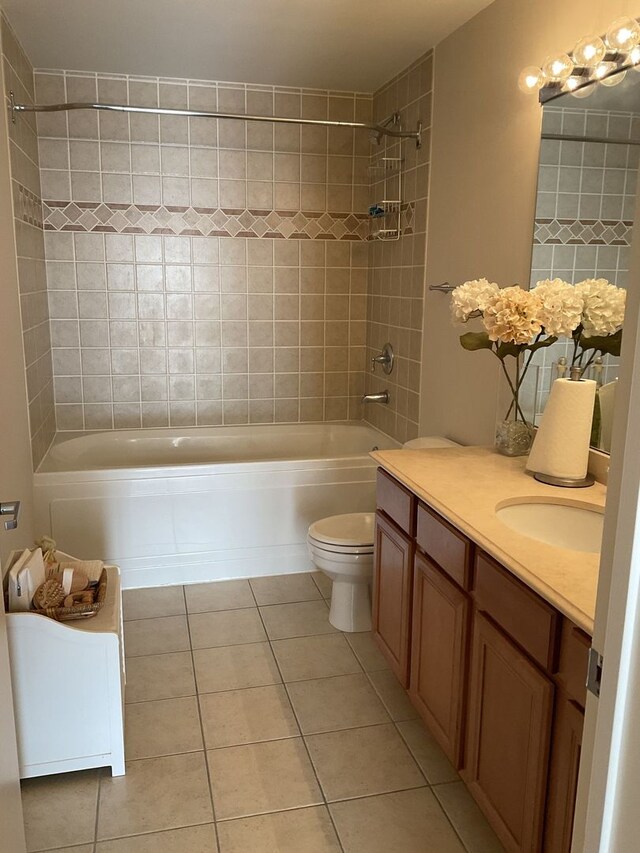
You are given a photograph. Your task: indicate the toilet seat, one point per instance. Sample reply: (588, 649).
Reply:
(354, 551)
(342, 533)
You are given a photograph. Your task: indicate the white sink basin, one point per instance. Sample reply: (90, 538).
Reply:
(575, 526)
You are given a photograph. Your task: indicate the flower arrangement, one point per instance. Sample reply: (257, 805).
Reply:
(518, 322)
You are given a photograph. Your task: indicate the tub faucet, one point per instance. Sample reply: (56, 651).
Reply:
(379, 397)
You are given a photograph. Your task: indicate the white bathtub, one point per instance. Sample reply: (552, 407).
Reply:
(176, 506)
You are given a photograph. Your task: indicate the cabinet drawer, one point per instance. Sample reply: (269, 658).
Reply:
(573, 662)
(396, 502)
(518, 610)
(445, 545)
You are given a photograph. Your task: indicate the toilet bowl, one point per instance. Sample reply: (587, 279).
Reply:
(341, 546)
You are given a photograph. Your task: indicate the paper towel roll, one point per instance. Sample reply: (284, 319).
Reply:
(561, 446)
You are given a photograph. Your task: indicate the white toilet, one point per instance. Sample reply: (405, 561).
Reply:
(341, 546)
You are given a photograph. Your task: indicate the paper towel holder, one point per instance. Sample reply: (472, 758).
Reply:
(567, 482)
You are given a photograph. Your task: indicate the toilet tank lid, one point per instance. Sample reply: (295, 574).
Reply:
(429, 441)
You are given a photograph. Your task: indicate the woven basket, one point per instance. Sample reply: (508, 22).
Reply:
(78, 611)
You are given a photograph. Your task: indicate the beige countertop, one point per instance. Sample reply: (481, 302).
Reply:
(466, 484)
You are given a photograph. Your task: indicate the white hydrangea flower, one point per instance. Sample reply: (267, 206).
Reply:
(511, 316)
(603, 307)
(470, 297)
(561, 306)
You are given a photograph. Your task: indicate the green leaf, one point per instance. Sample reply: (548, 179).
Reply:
(473, 341)
(606, 344)
(541, 344)
(514, 350)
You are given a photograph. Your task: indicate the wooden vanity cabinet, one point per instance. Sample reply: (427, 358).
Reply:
(440, 633)
(566, 738)
(495, 671)
(508, 737)
(392, 582)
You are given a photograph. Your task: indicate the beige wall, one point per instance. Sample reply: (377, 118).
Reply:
(483, 185)
(203, 272)
(15, 450)
(396, 267)
(27, 212)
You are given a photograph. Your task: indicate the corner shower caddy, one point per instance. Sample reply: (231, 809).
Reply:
(385, 172)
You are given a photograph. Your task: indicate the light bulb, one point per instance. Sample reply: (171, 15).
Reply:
(615, 79)
(585, 91)
(558, 68)
(634, 58)
(532, 79)
(623, 34)
(589, 51)
(571, 84)
(603, 69)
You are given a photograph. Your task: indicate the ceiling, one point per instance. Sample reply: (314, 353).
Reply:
(327, 44)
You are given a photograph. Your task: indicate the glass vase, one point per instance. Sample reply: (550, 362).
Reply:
(515, 432)
(513, 437)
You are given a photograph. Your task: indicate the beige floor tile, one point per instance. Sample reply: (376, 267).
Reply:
(283, 589)
(191, 839)
(262, 777)
(149, 603)
(247, 716)
(162, 727)
(160, 677)
(235, 667)
(366, 651)
(360, 762)
(219, 595)
(297, 831)
(156, 636)
(342, 702)
(393, 695)
(315, 657)
(324, 583)
(226, 628)
(303, 619)
(83, 848)
(155, 794)
(407, 821)
(467, 819)
(427, 752)
(48, 802)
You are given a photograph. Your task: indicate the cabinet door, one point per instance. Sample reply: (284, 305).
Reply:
(439, 632)
(563, 777)
(508, 736)
(392, 580)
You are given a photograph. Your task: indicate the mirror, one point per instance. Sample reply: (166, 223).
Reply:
(587, 173)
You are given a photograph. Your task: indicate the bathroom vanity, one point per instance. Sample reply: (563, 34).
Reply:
(488, 630)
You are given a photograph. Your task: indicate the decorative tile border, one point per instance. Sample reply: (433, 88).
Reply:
(28, 206)
(582, 232)
(203, 222)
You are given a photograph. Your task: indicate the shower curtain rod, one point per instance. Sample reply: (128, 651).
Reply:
(602, 139)
(379, 129)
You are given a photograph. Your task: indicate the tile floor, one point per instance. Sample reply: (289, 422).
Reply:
(253, 726)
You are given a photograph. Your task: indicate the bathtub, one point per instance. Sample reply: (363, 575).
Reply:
(173, 506)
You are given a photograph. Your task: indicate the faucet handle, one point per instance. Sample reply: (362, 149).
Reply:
(385, 359)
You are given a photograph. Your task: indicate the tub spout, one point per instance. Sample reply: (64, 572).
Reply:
(379, 397)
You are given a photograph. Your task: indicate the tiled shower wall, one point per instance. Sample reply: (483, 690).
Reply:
(396, 267)
(27, 209)
(585, 209)
(203, 271)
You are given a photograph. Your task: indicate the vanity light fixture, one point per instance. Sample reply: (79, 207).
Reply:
(594, 59)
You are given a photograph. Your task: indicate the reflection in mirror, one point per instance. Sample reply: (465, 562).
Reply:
(584, 217)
